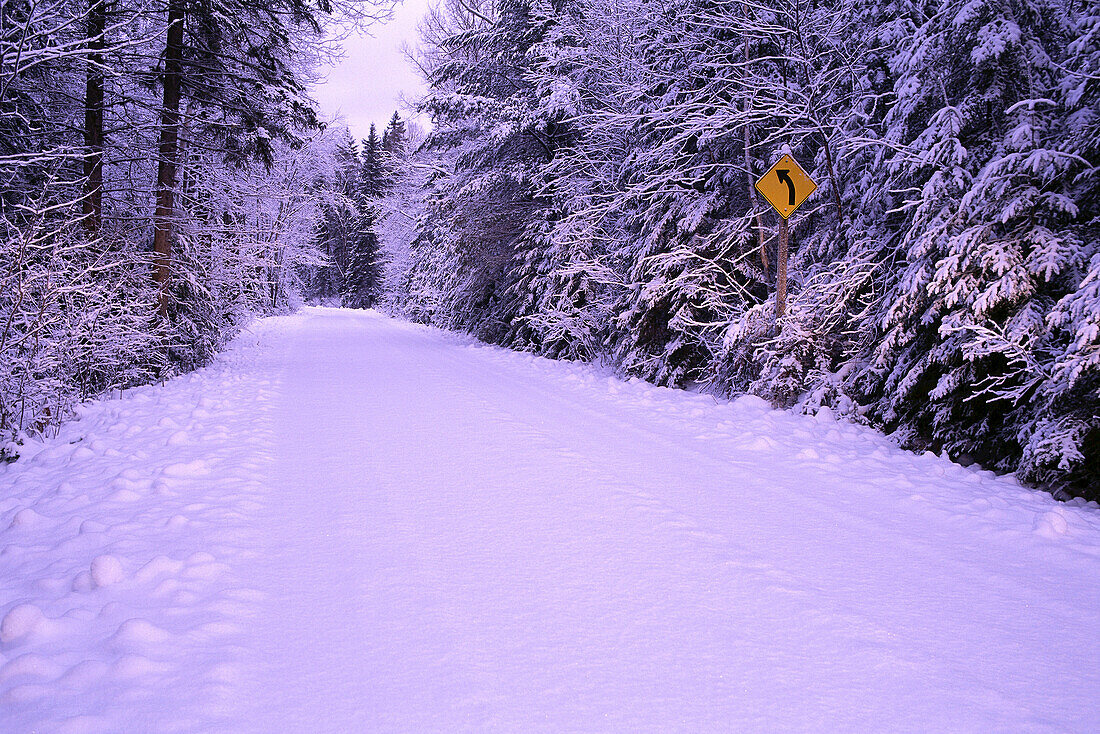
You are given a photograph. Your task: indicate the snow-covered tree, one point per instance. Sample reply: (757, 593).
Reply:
(107, 108)
(991, 239)
(591, 197)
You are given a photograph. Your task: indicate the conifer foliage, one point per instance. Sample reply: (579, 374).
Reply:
(587, 193)
(362, 180)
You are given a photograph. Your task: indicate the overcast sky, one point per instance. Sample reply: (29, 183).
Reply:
(367, 85)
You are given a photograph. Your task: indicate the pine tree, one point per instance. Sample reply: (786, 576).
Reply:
(991, 243)
(486, 109)
(594, 199)
(363, 277)
(393, 140)
(393, 149)
(372, 170)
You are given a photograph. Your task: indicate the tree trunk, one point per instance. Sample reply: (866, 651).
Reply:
(754, 198)
(781, 271)
(169, 155)
(754, 201)
(93, 119)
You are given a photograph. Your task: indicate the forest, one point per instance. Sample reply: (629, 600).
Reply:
(164, 178)
(585, 192)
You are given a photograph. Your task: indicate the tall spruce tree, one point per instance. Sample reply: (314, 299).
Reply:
(991, 240)
(485, 108)
(361, 272)
(394, 139)
(372, 169)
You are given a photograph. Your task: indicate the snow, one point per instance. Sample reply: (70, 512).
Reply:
(350, 523)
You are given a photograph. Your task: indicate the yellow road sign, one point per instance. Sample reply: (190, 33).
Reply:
(786, 186)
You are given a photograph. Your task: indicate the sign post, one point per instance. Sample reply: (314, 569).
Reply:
(785, 186)
(781, 270)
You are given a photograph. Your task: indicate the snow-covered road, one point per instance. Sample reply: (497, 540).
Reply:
(353, 524)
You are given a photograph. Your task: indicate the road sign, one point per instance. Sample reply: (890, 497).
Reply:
(786, 186)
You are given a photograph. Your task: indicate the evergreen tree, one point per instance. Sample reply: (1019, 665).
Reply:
(393, 140)
(228, 72)
(486, 109)
(363, 277)
(360, 271)
(372, 170)
(344, 232)
(393, 149)
(590, 196)
(991, 243)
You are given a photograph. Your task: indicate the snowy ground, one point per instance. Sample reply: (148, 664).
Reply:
(351, 524)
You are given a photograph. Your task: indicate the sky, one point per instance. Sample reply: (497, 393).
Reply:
(368, 84)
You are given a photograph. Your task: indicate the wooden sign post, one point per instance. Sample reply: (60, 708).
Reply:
(785, 186)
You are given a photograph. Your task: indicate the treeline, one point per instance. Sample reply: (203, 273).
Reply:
(587, 193)
(349, 219)
(162, 172)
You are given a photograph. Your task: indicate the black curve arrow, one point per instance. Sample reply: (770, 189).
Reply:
(785, 177)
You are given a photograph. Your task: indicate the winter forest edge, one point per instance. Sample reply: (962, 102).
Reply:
(586, 192)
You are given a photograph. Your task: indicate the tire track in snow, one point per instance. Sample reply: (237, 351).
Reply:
(554, 546)
(858, 493)
(350, 524)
